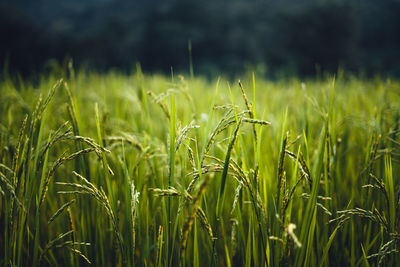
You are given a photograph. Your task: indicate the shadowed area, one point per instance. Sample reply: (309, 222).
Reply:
(292, 37)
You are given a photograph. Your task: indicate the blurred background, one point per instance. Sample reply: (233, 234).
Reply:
(286, 37)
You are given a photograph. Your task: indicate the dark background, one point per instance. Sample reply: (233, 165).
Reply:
(295, 37)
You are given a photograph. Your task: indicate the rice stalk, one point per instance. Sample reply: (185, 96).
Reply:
(52, 243)
(60, 210)
(101, 197)
(189, 221)
(226, 166)
(158, 100)
(159, 247)
(61, 160)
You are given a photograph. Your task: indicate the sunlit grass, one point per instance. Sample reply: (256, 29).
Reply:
(124, 170)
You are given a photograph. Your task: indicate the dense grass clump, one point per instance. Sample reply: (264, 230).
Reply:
(136, 170)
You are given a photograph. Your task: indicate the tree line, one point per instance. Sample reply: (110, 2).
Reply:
(273, 37)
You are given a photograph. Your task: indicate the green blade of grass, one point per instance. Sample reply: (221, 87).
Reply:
(390, 188)
(364, 257)
(37, 216)
(309, 217)
(220, 201)
(328, 245)
(171, 173)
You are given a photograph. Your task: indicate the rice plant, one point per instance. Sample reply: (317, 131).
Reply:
(145, 170)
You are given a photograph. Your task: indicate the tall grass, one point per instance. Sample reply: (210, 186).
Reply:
(138, 170)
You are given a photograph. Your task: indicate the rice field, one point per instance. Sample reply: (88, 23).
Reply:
(149, 170)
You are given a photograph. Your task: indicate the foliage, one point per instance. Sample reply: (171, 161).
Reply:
(123, 170)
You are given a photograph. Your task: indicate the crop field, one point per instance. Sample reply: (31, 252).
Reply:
(152, 170)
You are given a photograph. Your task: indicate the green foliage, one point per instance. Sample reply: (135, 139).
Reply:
(138, 170)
